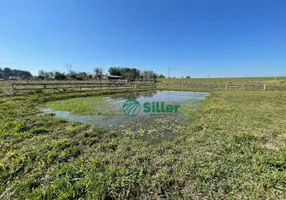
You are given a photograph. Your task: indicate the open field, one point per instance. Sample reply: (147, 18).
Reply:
(234, 149)
(224, 80)
(194, 84)
(219, 84)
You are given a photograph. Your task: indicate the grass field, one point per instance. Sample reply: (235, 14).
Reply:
(224, 80)
(235, 149)
(219, 84)
(200, 84)
(89, 106)
(24, 87)
(5, 88)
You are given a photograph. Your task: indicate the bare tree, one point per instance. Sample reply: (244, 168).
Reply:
(98, 72)
(149, 76)
(44, 75)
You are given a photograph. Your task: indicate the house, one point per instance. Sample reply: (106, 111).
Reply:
(108, 77)
(13, 78)
(3, 77)
(112, 77)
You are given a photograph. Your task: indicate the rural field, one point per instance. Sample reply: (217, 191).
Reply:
(230, 144)
(218, 84)
(194, 84)
(277, 79)
(102, 100)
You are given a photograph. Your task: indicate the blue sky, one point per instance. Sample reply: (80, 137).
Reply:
(198, 38)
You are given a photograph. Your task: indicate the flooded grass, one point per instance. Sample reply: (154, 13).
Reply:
(84, 106)
(108, 112)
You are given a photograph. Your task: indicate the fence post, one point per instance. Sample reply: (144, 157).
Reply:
(225, 88)
(13, 89)
(264, 88)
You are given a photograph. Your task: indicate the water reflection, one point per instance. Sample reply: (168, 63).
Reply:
(144, 124)
(135, 95)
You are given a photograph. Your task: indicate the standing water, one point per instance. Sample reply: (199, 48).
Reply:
(153, 113)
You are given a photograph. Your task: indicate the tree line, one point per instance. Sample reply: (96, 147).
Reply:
(71, 75)
(133, 74)
(129, 74)
(7, 72)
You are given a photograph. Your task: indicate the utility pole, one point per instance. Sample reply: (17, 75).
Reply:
(169, 72)
(69, 67)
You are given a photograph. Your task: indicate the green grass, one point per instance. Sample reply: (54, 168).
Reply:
(84, 106)
(235, 149)
(239, 80)
(220, 84)
(5, 88)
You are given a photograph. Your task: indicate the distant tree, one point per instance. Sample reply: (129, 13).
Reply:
(98, 72)
(149, 76)
(23, 74)
(144, 75)
(8, 72)
(59, 76)
(40, 77)
(41, 73)
(188, 77)
(154, 76)
(51, 75)
(125, 73)
(131, 74)
(161, 76)
(82, 75)
(89, 76)
(44, 74)
(135, 74)
(1, 73)
(71, 75)
(115, 71)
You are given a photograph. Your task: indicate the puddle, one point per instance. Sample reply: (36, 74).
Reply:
(152, 124)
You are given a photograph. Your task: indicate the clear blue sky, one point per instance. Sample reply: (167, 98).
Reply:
(221, 38)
